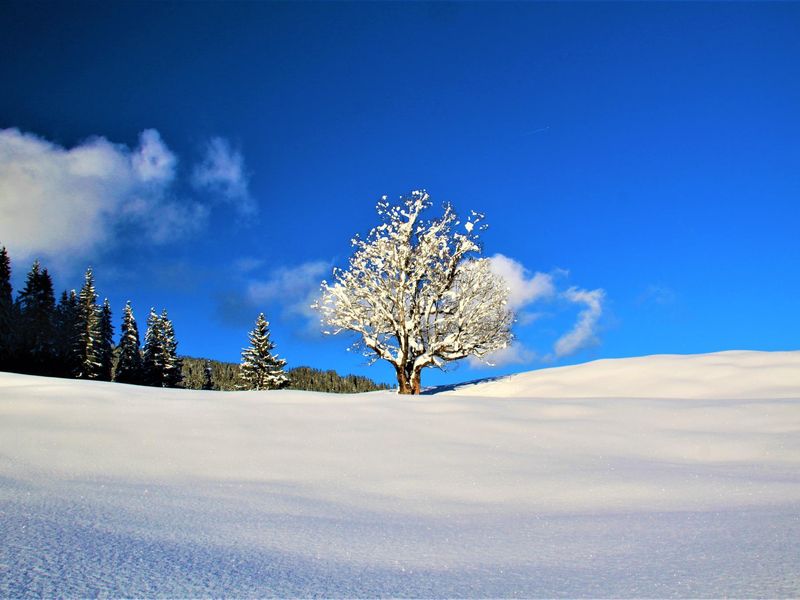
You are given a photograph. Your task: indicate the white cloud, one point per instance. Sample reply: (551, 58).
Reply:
(583, 333)
(523, 288)
(62, 202)
(153, 161)
(528, 289)
(295, 288)
(222, 173)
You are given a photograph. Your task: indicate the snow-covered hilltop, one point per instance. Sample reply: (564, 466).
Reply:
(735, 374)
(596, 480)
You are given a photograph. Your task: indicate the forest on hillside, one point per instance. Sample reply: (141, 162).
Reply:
(225, 377)
(74, 338)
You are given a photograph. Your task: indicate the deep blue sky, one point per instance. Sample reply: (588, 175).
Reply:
(652, 150)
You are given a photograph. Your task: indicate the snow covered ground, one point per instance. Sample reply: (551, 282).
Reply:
(664, 476)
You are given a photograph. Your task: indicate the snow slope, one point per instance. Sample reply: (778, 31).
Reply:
(654, 477)
(734, 375)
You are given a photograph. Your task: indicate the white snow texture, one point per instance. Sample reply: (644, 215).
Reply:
(664, 476)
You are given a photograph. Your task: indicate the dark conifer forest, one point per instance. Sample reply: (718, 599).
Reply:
(225, 376)
(74, 338)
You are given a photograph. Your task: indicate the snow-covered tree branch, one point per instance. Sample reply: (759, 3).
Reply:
(417, 293)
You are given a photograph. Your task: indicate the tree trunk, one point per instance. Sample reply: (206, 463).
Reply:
(416, 381)
(403, 384)
(408, 379)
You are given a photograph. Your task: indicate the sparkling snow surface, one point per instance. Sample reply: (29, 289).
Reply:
(650, 477)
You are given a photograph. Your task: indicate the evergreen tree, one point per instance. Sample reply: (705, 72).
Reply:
(6, 312)
(208, 382)
(129, 366)
(88, 346)
(162, 366)
(153, 352)
(260, 369)
(106, 343)
(172, 362)
(36, 309)
(66, 335)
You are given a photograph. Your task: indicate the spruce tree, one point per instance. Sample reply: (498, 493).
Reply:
(260, 369)
(153, 352)
(88, 346)
(36, 309)
(162, 366)
(129, 366)
(66, 335)
(173, 365)
(6, 312)
(106, 343)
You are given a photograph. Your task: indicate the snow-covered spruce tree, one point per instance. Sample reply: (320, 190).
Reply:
(173, 365)
(88, 345)
(153, 358)
(260, 369)
(161, 365)
(106, 343)
(129, 365)
(417, 294)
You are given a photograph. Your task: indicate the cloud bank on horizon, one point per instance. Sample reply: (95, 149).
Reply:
(63, 203)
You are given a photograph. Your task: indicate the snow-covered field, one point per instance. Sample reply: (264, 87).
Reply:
(650, 477)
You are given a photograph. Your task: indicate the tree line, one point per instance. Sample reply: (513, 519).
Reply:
(74, 338)
(198, 372)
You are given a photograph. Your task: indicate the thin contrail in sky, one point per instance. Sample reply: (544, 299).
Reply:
(541, 129)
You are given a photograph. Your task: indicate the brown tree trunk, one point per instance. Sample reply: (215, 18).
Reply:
(416, 381)
(403, 384)
(408, 379)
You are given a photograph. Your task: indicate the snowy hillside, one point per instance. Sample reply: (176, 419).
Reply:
(735, 374)
(593, 480)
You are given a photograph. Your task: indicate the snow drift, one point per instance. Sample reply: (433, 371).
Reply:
(654, 476)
